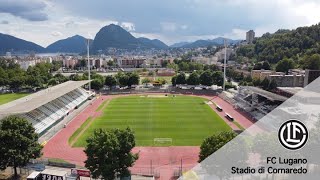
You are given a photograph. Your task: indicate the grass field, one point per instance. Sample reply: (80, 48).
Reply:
(5, 98)
(185, 119)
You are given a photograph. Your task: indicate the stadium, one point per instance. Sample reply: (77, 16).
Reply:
(169, 127)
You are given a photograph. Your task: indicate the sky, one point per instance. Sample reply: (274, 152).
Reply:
(171, 21)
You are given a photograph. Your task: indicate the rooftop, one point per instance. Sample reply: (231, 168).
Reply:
(290, 90)
(266, 94)
(33, 101)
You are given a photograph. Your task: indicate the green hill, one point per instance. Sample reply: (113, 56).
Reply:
(293, 44)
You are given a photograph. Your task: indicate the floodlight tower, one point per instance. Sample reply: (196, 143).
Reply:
(89, 78)
(224, 64)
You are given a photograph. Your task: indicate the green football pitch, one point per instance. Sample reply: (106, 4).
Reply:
(5, 98)
(185, 120)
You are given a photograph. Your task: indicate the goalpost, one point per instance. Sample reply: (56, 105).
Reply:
(162, 141)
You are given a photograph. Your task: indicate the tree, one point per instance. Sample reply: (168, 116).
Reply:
(257, 66)
(265, 83)
(235, 151)
(18, 142)
(266, 65)
(256, 82)
(273, 85)
(109, 153)
(133, 79)
(217, 78)
(16, 82)
(164, 63)
(146, 81)
(181, 78)
(183, 66)
(95, 75)
(110, 81)
(97, 84)
(211, 67)
(174, 80)
(75, 77)
(110, 63)
(162, 81)
(3, 77)
(53, 82)
(60, 78)
(284, 65)
(311, 62)
(213, 143)
(193, 79)
(206, 78)
(122, 79)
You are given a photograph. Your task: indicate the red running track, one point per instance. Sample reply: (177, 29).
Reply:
(163, 160)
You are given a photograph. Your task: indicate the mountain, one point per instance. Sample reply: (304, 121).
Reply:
(13, 44)
(155, 43)
(205, 43)
(179, 44)
(74, 44)
(114, 36)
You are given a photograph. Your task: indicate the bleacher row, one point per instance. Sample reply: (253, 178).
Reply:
(46, 115)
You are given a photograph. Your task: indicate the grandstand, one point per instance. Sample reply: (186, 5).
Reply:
(257, 102)
(47, 107)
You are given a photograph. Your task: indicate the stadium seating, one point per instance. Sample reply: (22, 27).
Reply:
(48, 114)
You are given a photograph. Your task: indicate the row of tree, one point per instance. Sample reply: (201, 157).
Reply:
(265, 84)
(122, 79)
(207, 78)
(185, 65)
(98, 81)
(306, 62)
(38, 76)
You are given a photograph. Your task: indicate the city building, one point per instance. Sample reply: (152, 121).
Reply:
(8, 54)
(250, 36)
(220, 54)
(262, 74)
(69, 62)
(166, 72)
(24, 64)
(311, 75)
(132, 62)
(291, 80)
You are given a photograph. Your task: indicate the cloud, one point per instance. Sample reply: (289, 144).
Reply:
(184, 27)
(128, 26)
(167, 20)
(32, 10)
(4, 22)
(71, 24)
(56, 33)
(168, 26)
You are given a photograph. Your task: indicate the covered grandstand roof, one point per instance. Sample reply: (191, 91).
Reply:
(290, 90)
(266, 94)
(33, 101)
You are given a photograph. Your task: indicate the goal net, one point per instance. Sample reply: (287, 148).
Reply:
(162, 141)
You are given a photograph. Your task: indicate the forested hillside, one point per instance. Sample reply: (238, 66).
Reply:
(299, 45)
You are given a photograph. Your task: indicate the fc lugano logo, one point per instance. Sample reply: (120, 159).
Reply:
(293, 134)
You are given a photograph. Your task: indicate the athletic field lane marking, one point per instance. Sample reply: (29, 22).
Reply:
(90, 119)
